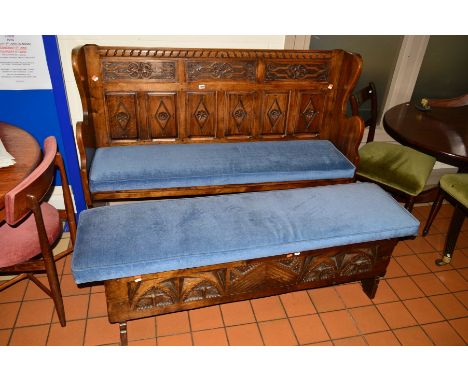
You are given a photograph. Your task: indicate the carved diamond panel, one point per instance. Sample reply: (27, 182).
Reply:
(240, 116)
(275, 110)
(201, 114)
(121, 114)
(161, 115)
(309, 113)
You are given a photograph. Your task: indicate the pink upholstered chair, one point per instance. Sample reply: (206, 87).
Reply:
(33, 226)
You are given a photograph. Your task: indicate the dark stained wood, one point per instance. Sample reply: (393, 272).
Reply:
(456, 222)
(448, 102)
(171, 96)
(214, 190)
(165, 292)
(366, 94)
(441, 132)
(27, 153)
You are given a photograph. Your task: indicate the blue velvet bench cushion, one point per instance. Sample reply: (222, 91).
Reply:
(141, 167)
(149, 237)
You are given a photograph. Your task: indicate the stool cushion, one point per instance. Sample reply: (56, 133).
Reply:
(147, 237)
(21, 242)
(165, 166)
(456, 185)
(397, 166)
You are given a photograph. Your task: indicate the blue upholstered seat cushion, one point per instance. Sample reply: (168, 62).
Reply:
(147, 237)
(142, 167)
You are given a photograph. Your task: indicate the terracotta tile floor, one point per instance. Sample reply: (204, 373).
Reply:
(417, 303)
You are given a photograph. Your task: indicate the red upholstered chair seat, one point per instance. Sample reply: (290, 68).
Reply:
(21, 243)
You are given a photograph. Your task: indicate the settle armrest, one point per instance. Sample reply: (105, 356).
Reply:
(349, 137)
(87, 148)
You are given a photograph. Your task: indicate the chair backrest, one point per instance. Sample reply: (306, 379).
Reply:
(360, 97)
(448, 102)
(37, 184)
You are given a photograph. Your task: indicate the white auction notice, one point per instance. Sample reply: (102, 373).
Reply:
(23, 64)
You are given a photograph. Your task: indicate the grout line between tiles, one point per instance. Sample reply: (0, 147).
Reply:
(256, 322)
(289, 321)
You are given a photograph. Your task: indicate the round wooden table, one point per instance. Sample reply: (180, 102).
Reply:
(440, 132)
(27, 153)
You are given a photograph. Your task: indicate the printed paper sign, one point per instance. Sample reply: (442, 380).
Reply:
(23, 64)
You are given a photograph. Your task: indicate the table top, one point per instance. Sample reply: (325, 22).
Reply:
(27, 153)
(440, 132)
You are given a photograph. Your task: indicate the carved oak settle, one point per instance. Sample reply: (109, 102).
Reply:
(139, 96)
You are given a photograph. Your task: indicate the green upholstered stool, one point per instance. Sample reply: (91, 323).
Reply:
(399, 169)
(456, 185)
(395, 166)
(454, 188)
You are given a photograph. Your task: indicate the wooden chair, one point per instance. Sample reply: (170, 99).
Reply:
(400, 170)
(33, 226)
(449, 183)
(454, 188)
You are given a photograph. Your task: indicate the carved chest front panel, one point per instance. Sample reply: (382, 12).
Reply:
(159, 293)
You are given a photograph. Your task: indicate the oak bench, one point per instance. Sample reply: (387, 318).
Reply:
(161, 122)
(170, 255)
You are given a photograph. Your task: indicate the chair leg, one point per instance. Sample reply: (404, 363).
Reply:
(55, 290)
(123, 333)
(452, 236)
(409, 203)
(434, 211)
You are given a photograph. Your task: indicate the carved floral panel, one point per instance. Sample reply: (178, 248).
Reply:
(220, 70)
(160, 71)
(296, 71)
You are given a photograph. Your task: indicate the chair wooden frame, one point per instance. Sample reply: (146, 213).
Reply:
(460, 210)
(455, 224)
(368, 93)
(46, 263)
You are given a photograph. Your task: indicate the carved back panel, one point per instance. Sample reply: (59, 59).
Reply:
(140, 95)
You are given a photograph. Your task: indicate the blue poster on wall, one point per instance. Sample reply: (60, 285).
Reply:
(33, 97)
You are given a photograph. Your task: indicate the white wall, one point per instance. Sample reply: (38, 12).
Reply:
(67, 43)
